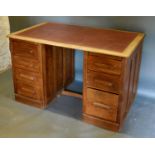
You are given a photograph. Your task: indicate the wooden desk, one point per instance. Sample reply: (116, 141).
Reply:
(43, 65)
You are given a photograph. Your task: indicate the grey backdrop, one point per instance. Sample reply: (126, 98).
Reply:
(141, 24)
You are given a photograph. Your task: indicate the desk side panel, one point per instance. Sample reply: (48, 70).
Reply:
(59, 69)
(68, 66)
(53, 76)
(135, 62)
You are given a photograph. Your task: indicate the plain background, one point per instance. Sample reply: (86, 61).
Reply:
(140, 24)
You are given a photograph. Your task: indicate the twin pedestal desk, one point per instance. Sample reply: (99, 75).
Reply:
(43, 65)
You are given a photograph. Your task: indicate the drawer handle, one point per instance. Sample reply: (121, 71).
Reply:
(27, 77)
(109, 84)
(31, 51)
(31, 65)
(102, 105)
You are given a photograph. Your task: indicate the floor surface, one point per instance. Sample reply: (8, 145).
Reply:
(63, 117)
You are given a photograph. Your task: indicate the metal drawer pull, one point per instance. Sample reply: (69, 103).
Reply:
(102, 105)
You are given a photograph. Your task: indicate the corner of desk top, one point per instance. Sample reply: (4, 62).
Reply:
(133, 45)
(14, 34)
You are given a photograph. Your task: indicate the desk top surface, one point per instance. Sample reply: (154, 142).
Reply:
(105, 41)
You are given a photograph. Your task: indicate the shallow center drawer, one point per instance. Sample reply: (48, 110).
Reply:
(101, 104)
(106, 82)
(104, 64)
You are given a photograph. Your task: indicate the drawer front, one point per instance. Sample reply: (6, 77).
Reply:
(25, 49)
(28, 90)
(27, 76)
(110, 83)
(101, 104)
(25, 63)
(104, 64)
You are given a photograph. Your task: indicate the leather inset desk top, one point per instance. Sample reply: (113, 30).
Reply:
(113, 42)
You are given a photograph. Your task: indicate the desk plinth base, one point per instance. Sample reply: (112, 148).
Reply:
(101, 123)
(30, 102)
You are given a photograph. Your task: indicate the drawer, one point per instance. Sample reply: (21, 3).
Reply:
(101, 104)
(25, 63)
(25, 49)
(27, 76)
(28, 90)
(106, 82)
(104, 64)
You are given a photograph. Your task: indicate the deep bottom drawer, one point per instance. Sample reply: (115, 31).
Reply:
(101, 104)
